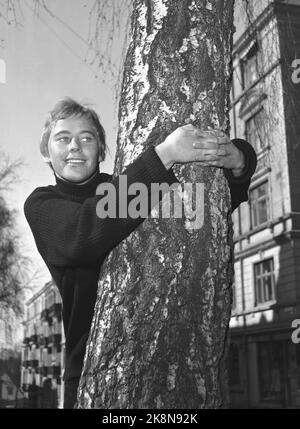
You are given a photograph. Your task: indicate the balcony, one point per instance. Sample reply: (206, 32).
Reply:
(54, 370)
(34, 363)
(43, 341)
(44, 371)
(55, 311)
(34, 339)
(26, 363)
(45, 314)
(25, 387)
(55, 339)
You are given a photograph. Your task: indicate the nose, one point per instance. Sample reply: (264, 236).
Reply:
(73, 145)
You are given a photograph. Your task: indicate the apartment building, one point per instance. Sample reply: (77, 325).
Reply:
(43, 350)
(264, 361)
(10, 355)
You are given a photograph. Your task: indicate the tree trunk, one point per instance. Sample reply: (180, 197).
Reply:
(159, 333)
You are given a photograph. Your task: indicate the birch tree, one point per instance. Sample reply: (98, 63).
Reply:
(159, 332)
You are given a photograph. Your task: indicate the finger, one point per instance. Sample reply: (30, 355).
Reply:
(212, 134)
(215, 138)
(200, 161)
(220, 136)
(202, 133)
(206, 151)
(205, 143)
(220, 133)
(215, 163)
(210, 164)
(208, 159)
(207, 133)
(215, 131)
(213, 152)
(212, 158)
(224, 140)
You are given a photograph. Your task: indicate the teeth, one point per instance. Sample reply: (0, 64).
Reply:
(75, 161)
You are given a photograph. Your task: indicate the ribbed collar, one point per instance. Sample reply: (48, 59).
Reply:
(80, 190)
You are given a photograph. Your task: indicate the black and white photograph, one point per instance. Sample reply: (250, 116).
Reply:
(149, 207)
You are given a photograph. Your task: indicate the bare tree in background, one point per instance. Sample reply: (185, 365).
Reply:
(10, 282)
(11, 12)
(159, 333)
(16, 276)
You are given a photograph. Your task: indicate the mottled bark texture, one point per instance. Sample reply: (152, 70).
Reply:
(159, 333)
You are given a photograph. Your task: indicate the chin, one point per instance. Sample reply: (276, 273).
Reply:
(77, 179)
(78, 176)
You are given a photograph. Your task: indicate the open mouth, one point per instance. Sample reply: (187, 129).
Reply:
(75, 161)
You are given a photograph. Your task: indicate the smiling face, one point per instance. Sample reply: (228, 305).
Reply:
(73, 148)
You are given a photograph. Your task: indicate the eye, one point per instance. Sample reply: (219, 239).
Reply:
(87, 139)
(63, 139)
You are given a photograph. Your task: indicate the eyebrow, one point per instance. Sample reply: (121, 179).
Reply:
(68, 132)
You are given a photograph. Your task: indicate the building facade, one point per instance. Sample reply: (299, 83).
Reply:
(264, 362)
(43, 350)
(10, 356)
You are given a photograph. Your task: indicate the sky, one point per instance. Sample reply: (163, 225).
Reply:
(44, 62)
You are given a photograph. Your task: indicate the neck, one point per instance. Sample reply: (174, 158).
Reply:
(82, 189)
(77, 183)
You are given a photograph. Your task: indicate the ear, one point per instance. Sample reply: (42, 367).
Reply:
(46, 158)
(45, 152)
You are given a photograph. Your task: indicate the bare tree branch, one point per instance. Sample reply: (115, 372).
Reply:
(107, 21)
(11, 12)
(9, 171)
(15, 266)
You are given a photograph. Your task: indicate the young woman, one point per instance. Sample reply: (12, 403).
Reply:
(73, 240)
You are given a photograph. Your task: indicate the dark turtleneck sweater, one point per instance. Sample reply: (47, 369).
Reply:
(74, 241)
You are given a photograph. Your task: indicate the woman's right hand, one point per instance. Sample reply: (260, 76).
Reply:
(179, 146)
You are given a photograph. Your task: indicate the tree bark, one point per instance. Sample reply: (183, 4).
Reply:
(159, 333)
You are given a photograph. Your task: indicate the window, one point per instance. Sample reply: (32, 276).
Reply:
(58, 348)
(270, 364)
(264, 281)
(26, 353)
(9, 334)
(50, 299)
(63, 363)
(10, 390)
(256, 131)
(259, 205)
(234, 365)
(31, 311)
(250, 66)
(37, 307)
(233, 305)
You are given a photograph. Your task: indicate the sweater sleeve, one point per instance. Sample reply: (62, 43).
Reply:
(67, 232)
(239, 185)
